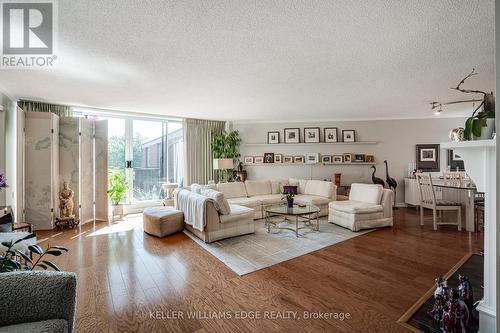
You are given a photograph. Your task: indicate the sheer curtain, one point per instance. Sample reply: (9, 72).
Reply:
(198, 159)
(31, 106)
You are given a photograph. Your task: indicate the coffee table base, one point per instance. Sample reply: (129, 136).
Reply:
(307, 220)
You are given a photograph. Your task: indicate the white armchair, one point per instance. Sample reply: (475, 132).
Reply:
(369, 206)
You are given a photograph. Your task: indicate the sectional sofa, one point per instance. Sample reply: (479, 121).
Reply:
(258, 194)
(233, 207)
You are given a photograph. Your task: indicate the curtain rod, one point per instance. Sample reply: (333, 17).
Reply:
(118, 113)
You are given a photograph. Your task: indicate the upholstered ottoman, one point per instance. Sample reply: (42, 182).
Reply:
(162, 221)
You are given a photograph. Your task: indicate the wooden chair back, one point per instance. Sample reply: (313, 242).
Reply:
(427, 194)
(453, 178)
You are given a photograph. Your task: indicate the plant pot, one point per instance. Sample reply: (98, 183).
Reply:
(289, 203)
(487, 130)
(117, 210)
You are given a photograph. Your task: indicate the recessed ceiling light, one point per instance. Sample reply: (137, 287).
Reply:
(438, 111)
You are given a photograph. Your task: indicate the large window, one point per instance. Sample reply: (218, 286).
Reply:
(147, 152)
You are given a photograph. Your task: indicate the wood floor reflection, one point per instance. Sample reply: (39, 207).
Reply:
(131, 282)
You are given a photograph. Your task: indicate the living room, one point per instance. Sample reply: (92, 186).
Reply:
(248, 166)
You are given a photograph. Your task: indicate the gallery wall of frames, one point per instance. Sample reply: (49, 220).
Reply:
(309, 136)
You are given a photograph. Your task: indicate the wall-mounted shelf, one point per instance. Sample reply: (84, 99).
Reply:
(309, 164)
(358, 143)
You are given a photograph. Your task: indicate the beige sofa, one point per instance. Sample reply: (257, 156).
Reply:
(258, 194)
(235, 220)
(369, 206)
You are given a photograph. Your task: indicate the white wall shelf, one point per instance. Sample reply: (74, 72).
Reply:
(309, 164)
(358, 143)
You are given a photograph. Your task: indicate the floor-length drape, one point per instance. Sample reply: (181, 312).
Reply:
(31, 106)
(198, 159)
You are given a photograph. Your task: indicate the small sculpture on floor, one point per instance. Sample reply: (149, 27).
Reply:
(465, 291)
(456, 316)
(66, 206)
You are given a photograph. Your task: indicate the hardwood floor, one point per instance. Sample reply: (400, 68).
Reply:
(131, 282)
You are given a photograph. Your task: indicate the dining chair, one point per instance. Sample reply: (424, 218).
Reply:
(453, 178)
(428, 200)
(479, 211)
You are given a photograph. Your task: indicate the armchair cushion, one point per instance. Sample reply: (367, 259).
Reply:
(258, 187)
(370, 193)
(355, 207)
(301, 183)
(233, 190)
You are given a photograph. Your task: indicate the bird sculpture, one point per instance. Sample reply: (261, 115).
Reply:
(376, 180)
(391, 182)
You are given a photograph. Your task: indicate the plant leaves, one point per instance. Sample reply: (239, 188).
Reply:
(40, 265)
(7, 244)
(51, 264)
(25, 238)
(59, 247)
(25, 257)
(468, 129)
(35, 248)
(477, 126)
(56, 253)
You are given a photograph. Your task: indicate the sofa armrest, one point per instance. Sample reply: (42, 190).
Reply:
(37, 295)
(212, 219)
(386, 202)
(333, 194)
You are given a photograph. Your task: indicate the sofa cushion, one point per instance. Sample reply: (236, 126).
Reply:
(45, 326)
(355, 207)
(233, 190)
(301, 183)
(319, 187)
(335, 214)
(268, 199)
(370, 193)
(238, 213)
(258, 187)
(247, 202)
(307, 199)
(221, 203)
(196, 188)
(276, 186)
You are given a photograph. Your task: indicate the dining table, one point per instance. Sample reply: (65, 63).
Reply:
(459, 191)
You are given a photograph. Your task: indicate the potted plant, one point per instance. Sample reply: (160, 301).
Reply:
(225, 150)
(117, 189)
(480, 126)
(289, 199)
(10, 259)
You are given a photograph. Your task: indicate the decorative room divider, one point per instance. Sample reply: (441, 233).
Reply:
(59, 149)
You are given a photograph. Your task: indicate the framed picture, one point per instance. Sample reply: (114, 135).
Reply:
(326, 159)
(287, 159)
(348, 135)
(268, 157)
(455, 162)
(298, 159)
(330, 134)
(248, 159)
(278, 158)
(428, 157)
(369, 158)
(347, 158)
(311, 134)
(359, 158)
(337, 159)
(292, 135)
(273, 137)
(312, 158)
(258, 159)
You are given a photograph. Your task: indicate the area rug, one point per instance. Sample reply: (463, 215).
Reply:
(249, 253)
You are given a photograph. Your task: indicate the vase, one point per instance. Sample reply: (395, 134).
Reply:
(487, 130)
(289, 203)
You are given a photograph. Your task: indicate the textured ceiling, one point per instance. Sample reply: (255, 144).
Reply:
(265, 60)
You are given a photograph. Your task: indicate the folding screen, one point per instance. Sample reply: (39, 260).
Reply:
(69, 157)
(101, 169)
(86, 170)
(40, 173)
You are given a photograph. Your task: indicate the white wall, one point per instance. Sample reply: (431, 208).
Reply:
(397, 140)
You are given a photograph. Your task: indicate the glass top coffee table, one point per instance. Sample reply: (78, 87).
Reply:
(280, 215)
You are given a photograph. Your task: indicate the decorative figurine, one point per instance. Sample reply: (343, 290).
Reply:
(456, 316)
(66, 203)
(66, 206)
(437, 310)
(442, 289)
(457, 134)
(465, 291)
